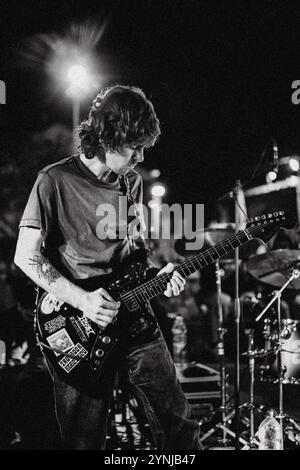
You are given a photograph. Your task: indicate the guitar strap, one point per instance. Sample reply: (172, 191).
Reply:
(126, 189)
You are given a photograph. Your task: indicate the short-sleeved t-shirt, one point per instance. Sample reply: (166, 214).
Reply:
(70, 205)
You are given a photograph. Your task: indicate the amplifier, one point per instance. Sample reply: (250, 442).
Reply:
(271, 197)
(201, 386)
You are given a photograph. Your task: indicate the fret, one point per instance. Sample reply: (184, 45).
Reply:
(139, 297)
(161, 283)
(198, 260)
(221, 245)
(209, 253)
(151, 292)
(194, 267)
(156, 288)
(247, 235)
(229, 243)
(215, 248)
(203, 259)
(228, 246)
(188, 269)
(243, 238)
(184, 270)
(143, 295)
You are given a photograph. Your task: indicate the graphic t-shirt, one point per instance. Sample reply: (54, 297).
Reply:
(83, 220)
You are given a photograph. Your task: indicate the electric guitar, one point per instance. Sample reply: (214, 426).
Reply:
(78, 348)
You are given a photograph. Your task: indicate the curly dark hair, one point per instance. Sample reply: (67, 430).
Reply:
(120, 115)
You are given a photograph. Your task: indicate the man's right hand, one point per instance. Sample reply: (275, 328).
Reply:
(99, 307)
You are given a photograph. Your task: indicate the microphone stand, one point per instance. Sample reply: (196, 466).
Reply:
(237, 318)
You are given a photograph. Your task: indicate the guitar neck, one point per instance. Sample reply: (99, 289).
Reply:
(200, 260)
(205, 258)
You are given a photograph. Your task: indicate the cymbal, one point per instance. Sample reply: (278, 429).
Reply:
(213, 235)
(274, 267)
(217, 233)
(206, 237)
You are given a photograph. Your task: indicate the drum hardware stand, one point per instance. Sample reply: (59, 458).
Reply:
(280, 369)
(252, 442)
(237, 316)
(223, 378)
(224, 427)
(221, 351)
(251, 355)
(226, 419)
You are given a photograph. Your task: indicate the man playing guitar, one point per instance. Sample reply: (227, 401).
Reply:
(60, 249)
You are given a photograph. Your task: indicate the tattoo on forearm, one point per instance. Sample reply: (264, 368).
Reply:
(44, 269)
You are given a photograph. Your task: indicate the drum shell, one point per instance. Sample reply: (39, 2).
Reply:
(290, 355)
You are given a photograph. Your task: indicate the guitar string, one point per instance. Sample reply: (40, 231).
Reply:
(162, 278)
(140, 290)
(167, 276)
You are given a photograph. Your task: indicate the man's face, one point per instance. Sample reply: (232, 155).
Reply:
(125, 159)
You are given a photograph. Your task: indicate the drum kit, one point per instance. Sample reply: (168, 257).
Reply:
(273, 339)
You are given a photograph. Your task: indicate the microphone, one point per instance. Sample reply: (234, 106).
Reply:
(275, 157)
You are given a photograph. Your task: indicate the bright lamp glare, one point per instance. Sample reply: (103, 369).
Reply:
(77, 75)
(155, 173)
(79, 80)
(294, 164)
(158, 190)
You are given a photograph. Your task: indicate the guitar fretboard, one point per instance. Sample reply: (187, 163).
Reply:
(200, 260)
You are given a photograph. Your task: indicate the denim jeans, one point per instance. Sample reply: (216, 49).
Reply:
(152, 375)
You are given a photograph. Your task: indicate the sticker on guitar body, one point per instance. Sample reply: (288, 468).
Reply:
(68, 363)
(60, 340)
(56, 324)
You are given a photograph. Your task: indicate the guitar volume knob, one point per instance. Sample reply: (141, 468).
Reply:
(99, 353)
(106, 339)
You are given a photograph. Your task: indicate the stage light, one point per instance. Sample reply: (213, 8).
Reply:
(271, 176)
(155, 173)
(288, 166)
(158, 190)
(78, 76)
(294, 165)
(71, 61)
(75, 71)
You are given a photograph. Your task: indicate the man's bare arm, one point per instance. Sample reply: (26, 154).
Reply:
(44, 269)
(98, 305)
(30, 260)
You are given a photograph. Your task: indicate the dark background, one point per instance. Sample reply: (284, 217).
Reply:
(219, 74)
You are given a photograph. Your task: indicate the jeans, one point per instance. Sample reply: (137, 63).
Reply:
(152, 375)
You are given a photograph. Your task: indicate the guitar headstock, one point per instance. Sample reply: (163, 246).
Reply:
(266, 225)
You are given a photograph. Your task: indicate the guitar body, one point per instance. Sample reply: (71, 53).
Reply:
(65, 334)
